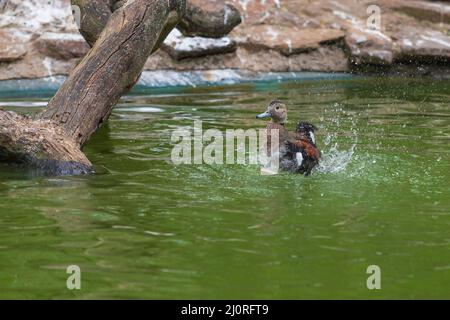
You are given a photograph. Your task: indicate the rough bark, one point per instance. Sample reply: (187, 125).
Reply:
(40, 144)
(96, 13)
(111, 67)
(195, 21)
(94, 16)
(122, 35)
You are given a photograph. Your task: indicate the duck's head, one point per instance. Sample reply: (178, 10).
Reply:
(276, 110)
(306, 131)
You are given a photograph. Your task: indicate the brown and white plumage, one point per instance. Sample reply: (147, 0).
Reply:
(297, 151)
(277, 111)
(302, 149)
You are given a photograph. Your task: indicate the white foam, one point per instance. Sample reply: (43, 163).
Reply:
(23, 104)
(335, 160)
(140, 109)
(313, 137)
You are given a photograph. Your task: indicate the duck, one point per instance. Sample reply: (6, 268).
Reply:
(298, 152)
(277, 111)
(302, 154)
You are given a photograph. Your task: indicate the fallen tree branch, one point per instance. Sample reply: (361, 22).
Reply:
(94, 16)
(40, 144)
(110, 69)
(122, 36)
(194, 20)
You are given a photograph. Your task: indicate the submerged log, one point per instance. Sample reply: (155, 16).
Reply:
(122, 34)
(40, 144)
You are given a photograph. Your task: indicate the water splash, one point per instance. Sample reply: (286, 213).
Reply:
(334, 158)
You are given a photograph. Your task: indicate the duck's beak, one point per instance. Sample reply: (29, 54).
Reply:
(263, 115)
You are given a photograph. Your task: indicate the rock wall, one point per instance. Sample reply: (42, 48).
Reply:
(39, 38)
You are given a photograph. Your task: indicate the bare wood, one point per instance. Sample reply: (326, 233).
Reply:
(94, 17)
(40, 144)
(195, 21)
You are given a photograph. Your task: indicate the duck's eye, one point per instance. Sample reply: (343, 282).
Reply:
(277, 108)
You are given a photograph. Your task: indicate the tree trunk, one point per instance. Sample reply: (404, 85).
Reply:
(110, 68)
(122, 34)
(195, 21)
(40, 144)
(94, 16)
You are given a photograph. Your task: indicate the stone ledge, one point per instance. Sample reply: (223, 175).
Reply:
(421, 10)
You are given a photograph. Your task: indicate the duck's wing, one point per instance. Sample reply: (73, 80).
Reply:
(304, 153)
(305, 147)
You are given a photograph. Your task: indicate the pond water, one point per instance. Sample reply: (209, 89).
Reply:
(144, 228)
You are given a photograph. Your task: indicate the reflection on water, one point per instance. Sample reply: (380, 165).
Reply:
(143, 228)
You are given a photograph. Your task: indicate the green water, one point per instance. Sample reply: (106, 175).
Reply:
(144, 228)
